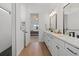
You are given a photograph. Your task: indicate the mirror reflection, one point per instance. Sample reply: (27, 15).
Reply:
(53, 21)
(71, 19)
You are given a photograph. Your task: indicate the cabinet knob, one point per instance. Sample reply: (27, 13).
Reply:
(58, 47)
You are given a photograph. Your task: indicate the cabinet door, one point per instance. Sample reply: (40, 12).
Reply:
(51, 44)
(54, 51)
(45, 37)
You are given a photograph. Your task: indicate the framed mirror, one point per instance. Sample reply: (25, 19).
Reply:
(53, 21)
(71, 19)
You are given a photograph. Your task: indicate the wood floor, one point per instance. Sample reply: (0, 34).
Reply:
(35, 48)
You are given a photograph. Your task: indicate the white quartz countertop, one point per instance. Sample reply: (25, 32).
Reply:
(70, 40)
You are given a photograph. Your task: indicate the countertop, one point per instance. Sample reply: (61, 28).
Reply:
(70, 40)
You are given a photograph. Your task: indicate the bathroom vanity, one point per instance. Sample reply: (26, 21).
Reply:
(61, 45)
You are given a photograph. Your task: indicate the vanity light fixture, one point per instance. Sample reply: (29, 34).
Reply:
(52, 13)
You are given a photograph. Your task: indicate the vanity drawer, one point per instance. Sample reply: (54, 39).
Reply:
(59, 42)
(72, 50)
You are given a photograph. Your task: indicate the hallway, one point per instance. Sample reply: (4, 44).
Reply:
(35, 48)
(34, 38)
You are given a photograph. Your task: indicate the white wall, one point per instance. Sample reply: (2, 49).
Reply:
(28, 24)
(73, 20)
(20, 17)
(5, 29)
(13, 30)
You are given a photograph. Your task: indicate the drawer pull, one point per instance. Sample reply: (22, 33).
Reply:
(76, 48)
(58, 47)
(72, 51)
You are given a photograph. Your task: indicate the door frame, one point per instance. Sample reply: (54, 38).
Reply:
(38, 23)
(13, 28)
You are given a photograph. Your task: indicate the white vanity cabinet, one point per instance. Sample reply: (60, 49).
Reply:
(71, 49)
(62, 51)
(44, 36)
(55, 45)
(54, 48)
(58, 48)
(48, 41)
(60, 45)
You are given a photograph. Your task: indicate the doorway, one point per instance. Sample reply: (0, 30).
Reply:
(34, 27)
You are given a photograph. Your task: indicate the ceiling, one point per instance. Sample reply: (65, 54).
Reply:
(6, 6)
(35, 7)
(41, 7)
